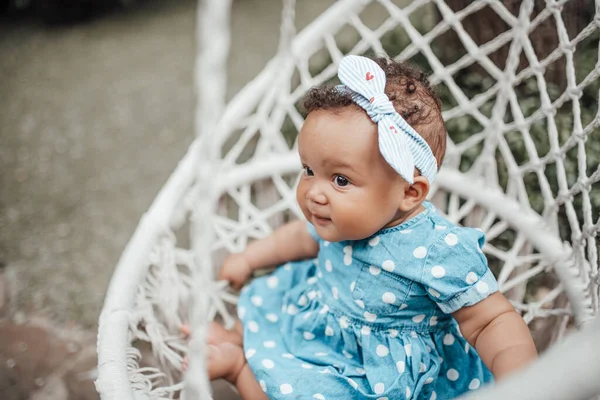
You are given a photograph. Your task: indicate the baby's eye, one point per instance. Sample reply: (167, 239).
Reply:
(341, 180)
(308, 171)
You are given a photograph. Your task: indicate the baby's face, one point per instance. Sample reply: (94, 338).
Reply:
(347, 190)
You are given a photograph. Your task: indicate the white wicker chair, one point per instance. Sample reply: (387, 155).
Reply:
(237, 182)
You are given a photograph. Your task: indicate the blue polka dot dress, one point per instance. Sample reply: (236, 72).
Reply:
(370, 319)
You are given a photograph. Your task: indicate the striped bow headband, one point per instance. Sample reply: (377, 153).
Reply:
(400, 145)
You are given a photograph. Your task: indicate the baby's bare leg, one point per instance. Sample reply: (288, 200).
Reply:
(227, 361)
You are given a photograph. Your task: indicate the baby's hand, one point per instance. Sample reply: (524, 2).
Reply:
(235, 270)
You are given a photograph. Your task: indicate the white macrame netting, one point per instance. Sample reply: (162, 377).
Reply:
(520, 165)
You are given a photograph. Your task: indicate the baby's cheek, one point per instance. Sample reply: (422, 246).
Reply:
(355, 220)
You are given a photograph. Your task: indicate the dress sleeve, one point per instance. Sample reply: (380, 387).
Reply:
(456, 272)
(312, 231)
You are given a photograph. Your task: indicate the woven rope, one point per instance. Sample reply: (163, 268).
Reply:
(237, 183)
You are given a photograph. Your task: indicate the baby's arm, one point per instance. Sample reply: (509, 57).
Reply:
(290, 242)
(498, 333)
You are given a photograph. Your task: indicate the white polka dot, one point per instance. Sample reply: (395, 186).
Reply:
(324, 309)
(272, 282)
(288, 355)
(318, 396)
(352, 286)
(319, 274)
(302, 301)
(471, 278)
(413, 334)
(250, 353)
(420, 252)
(352, 383)
(448, 339)
(433, 396)
(241, 312)
(308, 335)
(475, 383)
(428, 380)
(311, 295)
(360, 303)
(370, 316)
(361, 371)
(433, 321)
(467, 347)
(268, 364)
(403, 306)
(269, 344)
(286, 388)
(374, 241)
(292, 309)
(408, 349)
(272, 317)
(253, 326)
(328, 266)
(383, 398)
(382, 350)
(306, 366)
(346, 354)
(452, 374)
(325, 371)
(321, 354)
(379, 388)
(325, 243)
(344, 323)
(418, 318)
(365, 330)
(347, 259)
(482, 287)
(312, 280)
(451, 239)
(393, 333)
(374, 270)
(287, 266)
(406, 231)
(433, 292)
(440, 227)
(328, 331)
(388, 298)
(422, 368)
(408, 392)
(400, 366)
(388, 265)
(335, 292)
(263, 385)
(347, 249)
(438, 271)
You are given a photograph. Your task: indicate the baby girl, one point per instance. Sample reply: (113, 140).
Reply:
(378, 296)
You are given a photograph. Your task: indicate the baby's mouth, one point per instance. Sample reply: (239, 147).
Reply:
(318, 220)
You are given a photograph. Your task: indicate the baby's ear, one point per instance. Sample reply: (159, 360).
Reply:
(414, 194)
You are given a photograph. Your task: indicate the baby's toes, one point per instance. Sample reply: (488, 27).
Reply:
(185, 329)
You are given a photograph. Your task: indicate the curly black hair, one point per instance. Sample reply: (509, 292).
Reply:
(408, 89)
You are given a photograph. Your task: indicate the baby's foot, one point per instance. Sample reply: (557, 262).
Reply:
(225, 361)
(217, 334)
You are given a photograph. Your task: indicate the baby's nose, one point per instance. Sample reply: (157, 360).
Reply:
(316, 196)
